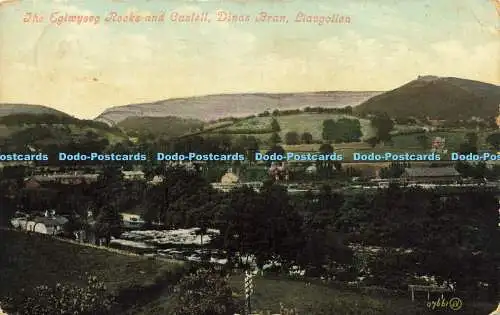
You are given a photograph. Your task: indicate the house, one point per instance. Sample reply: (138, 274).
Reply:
(227, 182)
(48, 224)
(132, 221)
(157, 179)
(311, 169)
(431, 175)
(133, 175)
(229, 178)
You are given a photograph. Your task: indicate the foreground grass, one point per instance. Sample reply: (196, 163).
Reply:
(311, 298)
(321, 299)
(28, 260)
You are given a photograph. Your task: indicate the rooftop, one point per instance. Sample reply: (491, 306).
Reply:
(431, 172)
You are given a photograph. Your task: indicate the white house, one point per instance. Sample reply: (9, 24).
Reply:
(311, 169)
(157, 179)
(48, 224)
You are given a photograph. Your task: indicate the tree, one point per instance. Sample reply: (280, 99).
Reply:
(325, 168)
(306, 138)
(108, 223)
(241, 222)
(423, 140)
(275, 139)
(471, 138)
(275, 126)
(276, 149)
(282, 224)
(383, 125)
(494, 140)
(292, 137)
(329, 130)
(203, 293)
(372, 141)
(342, 130)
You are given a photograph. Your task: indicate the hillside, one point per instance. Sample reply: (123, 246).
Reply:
(438, 98)
(9, 109)
(212, 107)
(260, 127)
(167, 126)
(30, 260)
(42, 131)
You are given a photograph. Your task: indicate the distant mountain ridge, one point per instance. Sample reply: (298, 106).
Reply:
(9, 109)
(437, 97)
(212, 107)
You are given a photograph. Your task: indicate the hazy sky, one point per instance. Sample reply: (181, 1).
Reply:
(83, 69)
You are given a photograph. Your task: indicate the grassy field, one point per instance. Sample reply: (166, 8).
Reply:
(30, 260)
(304, 122)
(321, 299)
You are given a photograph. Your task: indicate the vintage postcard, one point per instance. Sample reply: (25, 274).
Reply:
(249, 156)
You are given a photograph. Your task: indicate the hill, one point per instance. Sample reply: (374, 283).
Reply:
(213, 107)
(44, 130)
(438, 98)
(9, 109)
(169, 126)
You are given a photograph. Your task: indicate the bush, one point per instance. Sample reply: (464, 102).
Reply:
(62, 299)
(204, 292)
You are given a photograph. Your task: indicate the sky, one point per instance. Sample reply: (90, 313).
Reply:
(82, 69)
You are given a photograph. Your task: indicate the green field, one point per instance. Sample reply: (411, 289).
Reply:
(321, 299)
(30, 260)
(453, 139)
(300, 123)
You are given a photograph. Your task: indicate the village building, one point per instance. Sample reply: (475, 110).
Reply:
(157, 179)
(231, 180)
(431, 175)
(50, 223)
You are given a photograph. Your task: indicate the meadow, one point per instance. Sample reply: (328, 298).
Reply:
(300, 123)
(28, 260)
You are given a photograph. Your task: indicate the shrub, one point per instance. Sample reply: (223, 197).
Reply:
(204, 292)
(63, 299)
